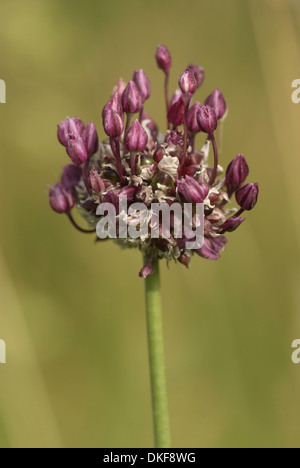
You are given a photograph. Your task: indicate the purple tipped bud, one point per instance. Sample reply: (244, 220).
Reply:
(76, 149)
(132, 99)
(216, 101)
(187, 82)
(207, 119)
(90, 138)
(143, 83)
(96, 182)
(176, 112)
(163, 58)
(247, 196)
(192, 120)
(71, 176)
(136, 137)
(212, 247)
(191, 190)
(236, 173)
(68, 126)
(231, 224)
(113, 124)
(147, 270)
(61, 199)
(199, 74)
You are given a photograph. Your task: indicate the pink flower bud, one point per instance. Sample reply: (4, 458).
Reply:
(71, 176)
(119, 88)
(176, 96)
(247, 196)
(61, 199)
(216, 101)
(113, 124)
(68, 126)
(212, 247)
(207, 119)
(192, 120)
(90, 138)
(96, 182)
(76, 149)
(132, 101)
(187, 82)
(176, 112)
(136, 137)
(163, 58)
(143, 83)
(236, 173)
(199, 74)
(191, 190)
(231, 224)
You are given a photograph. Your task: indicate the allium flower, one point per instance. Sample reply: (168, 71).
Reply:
(148, 166)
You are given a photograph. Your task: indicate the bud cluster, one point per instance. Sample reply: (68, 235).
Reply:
(139, 162)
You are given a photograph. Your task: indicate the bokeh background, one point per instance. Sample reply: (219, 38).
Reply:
(72, 312)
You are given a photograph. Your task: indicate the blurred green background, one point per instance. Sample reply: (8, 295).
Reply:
(72, 312)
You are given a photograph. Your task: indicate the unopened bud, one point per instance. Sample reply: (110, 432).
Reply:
(176, 112)
(136, 137)
(236, 173)
(207, 119)
(132, 101)
(113, 124)
(191, 190)
(187, 82)
(163, 58)
(192, 120)
(69, 126)
(216, 101)
(142, 82)
(90, 138)
(77, 150)
(61, 199)
(247, 196)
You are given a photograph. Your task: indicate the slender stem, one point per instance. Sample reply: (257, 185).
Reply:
(86, 231)
(216, 159)
(156, 358)
(167, 96)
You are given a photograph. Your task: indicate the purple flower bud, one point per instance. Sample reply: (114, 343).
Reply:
(231, 224)
(176, 112)
(71, 176)
(68, 126)
(207, 119)
(247, 196)
(96, 182)
(216, 101)
(187, 82)
(163, 58)
(176, 96)
(199, 74)
(113, 124)
(236, 173)
(136, 137)
(192, 120)
(76, 149)
(212, 247)
(119, 88)
(191, 190)
(90, 138)
(61, 199)
(128, 192)
(143, 83)
(113, 104)
(132, 99)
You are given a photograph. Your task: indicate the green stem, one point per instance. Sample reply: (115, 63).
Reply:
(156, 358)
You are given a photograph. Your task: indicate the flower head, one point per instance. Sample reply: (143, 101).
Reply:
(141, 165)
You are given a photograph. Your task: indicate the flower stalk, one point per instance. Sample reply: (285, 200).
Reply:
(156, 359)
